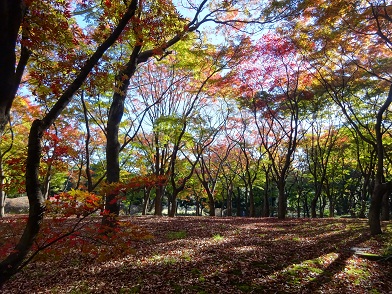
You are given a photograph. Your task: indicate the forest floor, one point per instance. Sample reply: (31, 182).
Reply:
(212, 255)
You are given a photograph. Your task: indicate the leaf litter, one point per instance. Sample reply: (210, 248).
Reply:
(216, 255)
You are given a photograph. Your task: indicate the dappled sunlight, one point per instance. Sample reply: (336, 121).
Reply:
(196, 255)
(245, 248)
(304, 272)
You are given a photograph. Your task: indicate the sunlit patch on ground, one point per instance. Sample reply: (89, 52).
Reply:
(302, 273)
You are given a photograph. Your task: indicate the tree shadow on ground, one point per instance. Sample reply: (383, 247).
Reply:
(249, 258)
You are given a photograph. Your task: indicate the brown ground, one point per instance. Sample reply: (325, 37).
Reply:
(215, 255)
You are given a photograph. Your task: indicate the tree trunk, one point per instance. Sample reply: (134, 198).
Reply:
(229, 200)
(116, 112)
(385, 216)
(331, 205)
(112, 208)
(323, 203)
(306, 208)
(146, 198)
(46, 183)
(211, 204)
(197, 206)
(266, 207)
(282, 201)
(313, 207)
(239, 208)
(375, 209)
(251, 203)
(158, 200)
(173, 206)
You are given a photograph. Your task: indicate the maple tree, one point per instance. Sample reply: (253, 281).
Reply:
(250, 153)
(318, 151)
(275, 90)
(211, 165)
(11, 264)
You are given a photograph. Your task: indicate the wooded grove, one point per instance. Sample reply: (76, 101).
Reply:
(226, 108)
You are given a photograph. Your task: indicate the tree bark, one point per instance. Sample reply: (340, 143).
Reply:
(385, 215)
(158, 200)
(173, 206)
(266, 205)
(11, 15)
(230, 199)
(282, 201)
(375, 209)
(211, 204)
(146, 198)
(238, 202)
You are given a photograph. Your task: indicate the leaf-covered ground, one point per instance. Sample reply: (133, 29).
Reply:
(221, 255)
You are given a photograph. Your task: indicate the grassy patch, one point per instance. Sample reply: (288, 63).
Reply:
(163, 259)
(217, 237)
(357, 275)
(174, 235)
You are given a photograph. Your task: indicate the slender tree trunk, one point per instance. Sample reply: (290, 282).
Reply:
(87, 145)
(229, 200)
(46, 182)
(146, 199)
(239, 208)
(211, 204)
(197, 206)
(323, 203)
(282, 201)
(331, 205)
(251, 203)
(173, 206)
(266, 206)
(246, 198)
(313, 207)
(317, 195)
